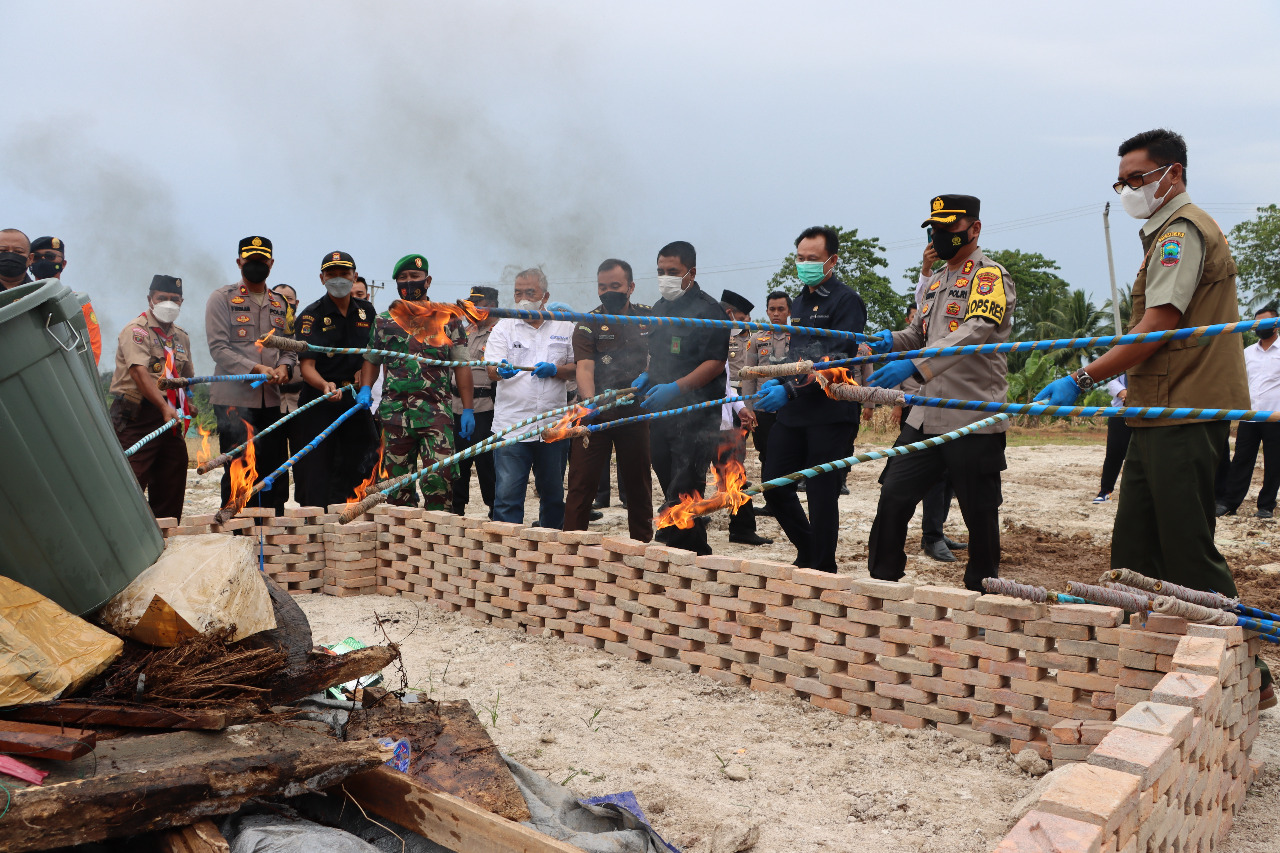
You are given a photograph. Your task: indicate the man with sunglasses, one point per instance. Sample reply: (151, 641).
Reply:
(1165, 522)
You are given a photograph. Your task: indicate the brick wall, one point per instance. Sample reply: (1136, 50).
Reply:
(986, 668)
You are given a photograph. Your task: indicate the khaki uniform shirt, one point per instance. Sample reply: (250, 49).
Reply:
(481, 384)
(737, 354)
(972, 304)
(762, 348)
(234, 320)
(141, 342)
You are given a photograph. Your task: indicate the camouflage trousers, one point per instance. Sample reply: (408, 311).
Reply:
(406, 450)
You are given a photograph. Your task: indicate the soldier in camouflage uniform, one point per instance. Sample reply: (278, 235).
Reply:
(416, 409)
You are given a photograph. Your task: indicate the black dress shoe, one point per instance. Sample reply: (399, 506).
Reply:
(749, 539)
(938, 550)
(1220, 510)
(953, 544)
(844, 489)
(764, 511)
(599, 504)
(596, 515)
(1264, 513)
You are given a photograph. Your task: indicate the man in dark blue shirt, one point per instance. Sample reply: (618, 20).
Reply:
(812, 428)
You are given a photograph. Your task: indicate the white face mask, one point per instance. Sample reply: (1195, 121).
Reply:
(166, 312)
(669, 287)
(734, 332)
(529, 305)
(1142, 202)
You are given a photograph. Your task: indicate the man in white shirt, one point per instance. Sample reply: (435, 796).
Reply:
(519, 394)
(1262, 361)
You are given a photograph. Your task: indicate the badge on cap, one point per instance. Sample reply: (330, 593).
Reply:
(417, 262)
(257, 241)
(938, 203)
(337, 256)
(56, 243)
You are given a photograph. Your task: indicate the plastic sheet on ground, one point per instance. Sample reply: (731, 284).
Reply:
(44, 650)
(200, 584)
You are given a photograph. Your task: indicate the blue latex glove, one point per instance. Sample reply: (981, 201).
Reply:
(468, 424)
(892, 374)
(364, 397)
(881, 341)
(661, 397)
(544, 370)
(641, 383)
(591, 411)
(1059, 392)
(772, 396)
(506, 371)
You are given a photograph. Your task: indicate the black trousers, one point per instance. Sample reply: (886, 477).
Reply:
(270, 451)
(1249, 437)
(733, 445)
(974, 463)
(588, 458)
(937, 506)
(760, 435)
(483, 462)
(937, 503)
(161, 464)
(1118, 433)
(330, 472)
(681, 449)
(792, 448)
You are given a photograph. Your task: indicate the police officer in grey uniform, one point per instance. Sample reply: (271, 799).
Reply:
(235, 318)
(970, 300)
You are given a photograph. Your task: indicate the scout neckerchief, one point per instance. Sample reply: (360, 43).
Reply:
(177, 397)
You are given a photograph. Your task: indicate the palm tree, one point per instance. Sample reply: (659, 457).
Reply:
(1126, 312)
(1073, 317)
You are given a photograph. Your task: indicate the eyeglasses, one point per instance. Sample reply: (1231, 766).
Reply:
(1137, 181)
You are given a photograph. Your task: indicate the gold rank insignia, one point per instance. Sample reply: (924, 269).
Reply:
(968, 267)
(237, 300)
(604, 328)
(935, 285)
(328, 321)
(360, 311)
(608, 359)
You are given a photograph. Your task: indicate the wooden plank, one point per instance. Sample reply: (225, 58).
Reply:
(324, 671)
(445, 819)
(32, 740)
(152, 783)
(200, 837)
(450, 750)
(84, 713)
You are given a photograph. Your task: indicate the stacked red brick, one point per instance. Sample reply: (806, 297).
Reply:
(350, 555)
(1170, 776)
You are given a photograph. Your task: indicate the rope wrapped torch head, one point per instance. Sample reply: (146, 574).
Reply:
(271, 339)
(551, 434)
(355, 510)
(861, 393)
(168, 383)
(773, 371)
(215, 462)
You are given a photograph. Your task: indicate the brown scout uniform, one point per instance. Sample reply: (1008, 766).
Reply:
(160, 465)
(958, 308)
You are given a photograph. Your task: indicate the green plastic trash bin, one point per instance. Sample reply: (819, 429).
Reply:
(73, 523)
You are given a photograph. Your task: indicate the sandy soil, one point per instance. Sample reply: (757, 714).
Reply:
(816, 780)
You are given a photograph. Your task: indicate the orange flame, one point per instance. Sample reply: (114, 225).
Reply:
(472, 312)
(426, 322)
(206, 452)
(731, 481)
(834, 376)
(244, 471)
(378, 473)
(260, 342)
(560, 429)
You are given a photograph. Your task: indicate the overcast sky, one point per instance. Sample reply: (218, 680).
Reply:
(493, 136)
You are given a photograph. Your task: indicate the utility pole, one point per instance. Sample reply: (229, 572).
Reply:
(1111, 267)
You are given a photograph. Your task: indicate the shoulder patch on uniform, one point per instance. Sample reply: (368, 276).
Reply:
(305, 328)
(139, 335)
(988, 298)
(1170, 250)
(1166, 235)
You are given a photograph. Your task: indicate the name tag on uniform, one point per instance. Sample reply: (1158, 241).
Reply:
(675, 346)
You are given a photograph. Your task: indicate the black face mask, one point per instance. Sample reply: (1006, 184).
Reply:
(45, 269)
(255, 272)
(613, 301)
(949, 243)
(12, 264)
(412, 290)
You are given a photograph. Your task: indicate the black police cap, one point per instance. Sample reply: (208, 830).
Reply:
(166, 284)
(736, 301)
(255, 246)
(479, 292)
(337, 259)
(41, 244)
(945, 209)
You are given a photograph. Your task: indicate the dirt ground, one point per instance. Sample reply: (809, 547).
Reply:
(816, 781)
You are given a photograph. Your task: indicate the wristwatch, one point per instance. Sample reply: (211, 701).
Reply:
(1083, 380)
